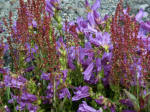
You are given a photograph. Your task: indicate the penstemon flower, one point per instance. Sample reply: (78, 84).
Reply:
(86, 108)
(82, 92)
(80, 65)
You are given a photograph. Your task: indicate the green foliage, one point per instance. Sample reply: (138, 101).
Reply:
(32, 87)
(75, 74)
(133, 99)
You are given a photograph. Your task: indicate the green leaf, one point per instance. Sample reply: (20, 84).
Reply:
(133, 99)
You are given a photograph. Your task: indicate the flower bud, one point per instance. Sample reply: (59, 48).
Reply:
(59, 26)
(39, 102)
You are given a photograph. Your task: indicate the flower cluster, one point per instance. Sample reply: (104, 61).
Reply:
(93, 64)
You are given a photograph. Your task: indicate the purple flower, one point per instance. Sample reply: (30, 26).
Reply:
(51, 5)
(4, 46)
(29, 106)
(14, 82)
(31, 49)
(82, 24)
(106, 17)
(82, 92)
(103, 40)
(139, 71)
(32, 108)
(125, 11)
(64, 93)
(54, 2)
(146, 26)
(4, 70)
(64, 74)
(106, 58)
(49, 8)
(140, 15)
(88, 46)
(60, 45)
(142, 33)
(112, 109)
(91, 19)
(11, 100)
(29, 58)
(94, 41)
(90, 29)
(45, 76)
(21, 106)
(71, 56)
(98, 64)
(34, 50)
(96, 5)
(7, 109)
(93, 79)
(126, 102)
(86, 108)
(26, 97)
(34, 23)
(106, 40)
(91, 16)
(88, 72)
(97, 17)
(86, 54)
(87, 4)
(100, 101)
(29, 69)
(30, 52)
(50, 91)
(25, 100)
(71, 52)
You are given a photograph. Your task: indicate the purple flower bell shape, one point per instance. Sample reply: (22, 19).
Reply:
(82, 92)
(140, 15)
(88, 72)
(86, 108)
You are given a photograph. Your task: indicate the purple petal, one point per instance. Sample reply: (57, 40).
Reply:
(34, 23)
(146, 25)
(86, 108)
(64, 92)
(98, 64)
(94, 41)
(140, 15)
(32, 108)
(45, 76)
(87, 3)
(82, 92)
(88, 72)
(91, 19)
(97, 17)
(96, 5)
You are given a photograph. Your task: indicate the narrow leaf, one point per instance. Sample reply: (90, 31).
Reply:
(133, 100)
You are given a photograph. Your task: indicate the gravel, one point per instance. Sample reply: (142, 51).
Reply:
(71, 9)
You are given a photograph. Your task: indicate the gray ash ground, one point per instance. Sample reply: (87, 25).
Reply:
(71, 9)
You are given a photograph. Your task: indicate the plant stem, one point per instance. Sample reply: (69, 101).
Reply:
(54, 98)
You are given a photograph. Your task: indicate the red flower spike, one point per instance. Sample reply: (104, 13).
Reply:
(124, 32)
